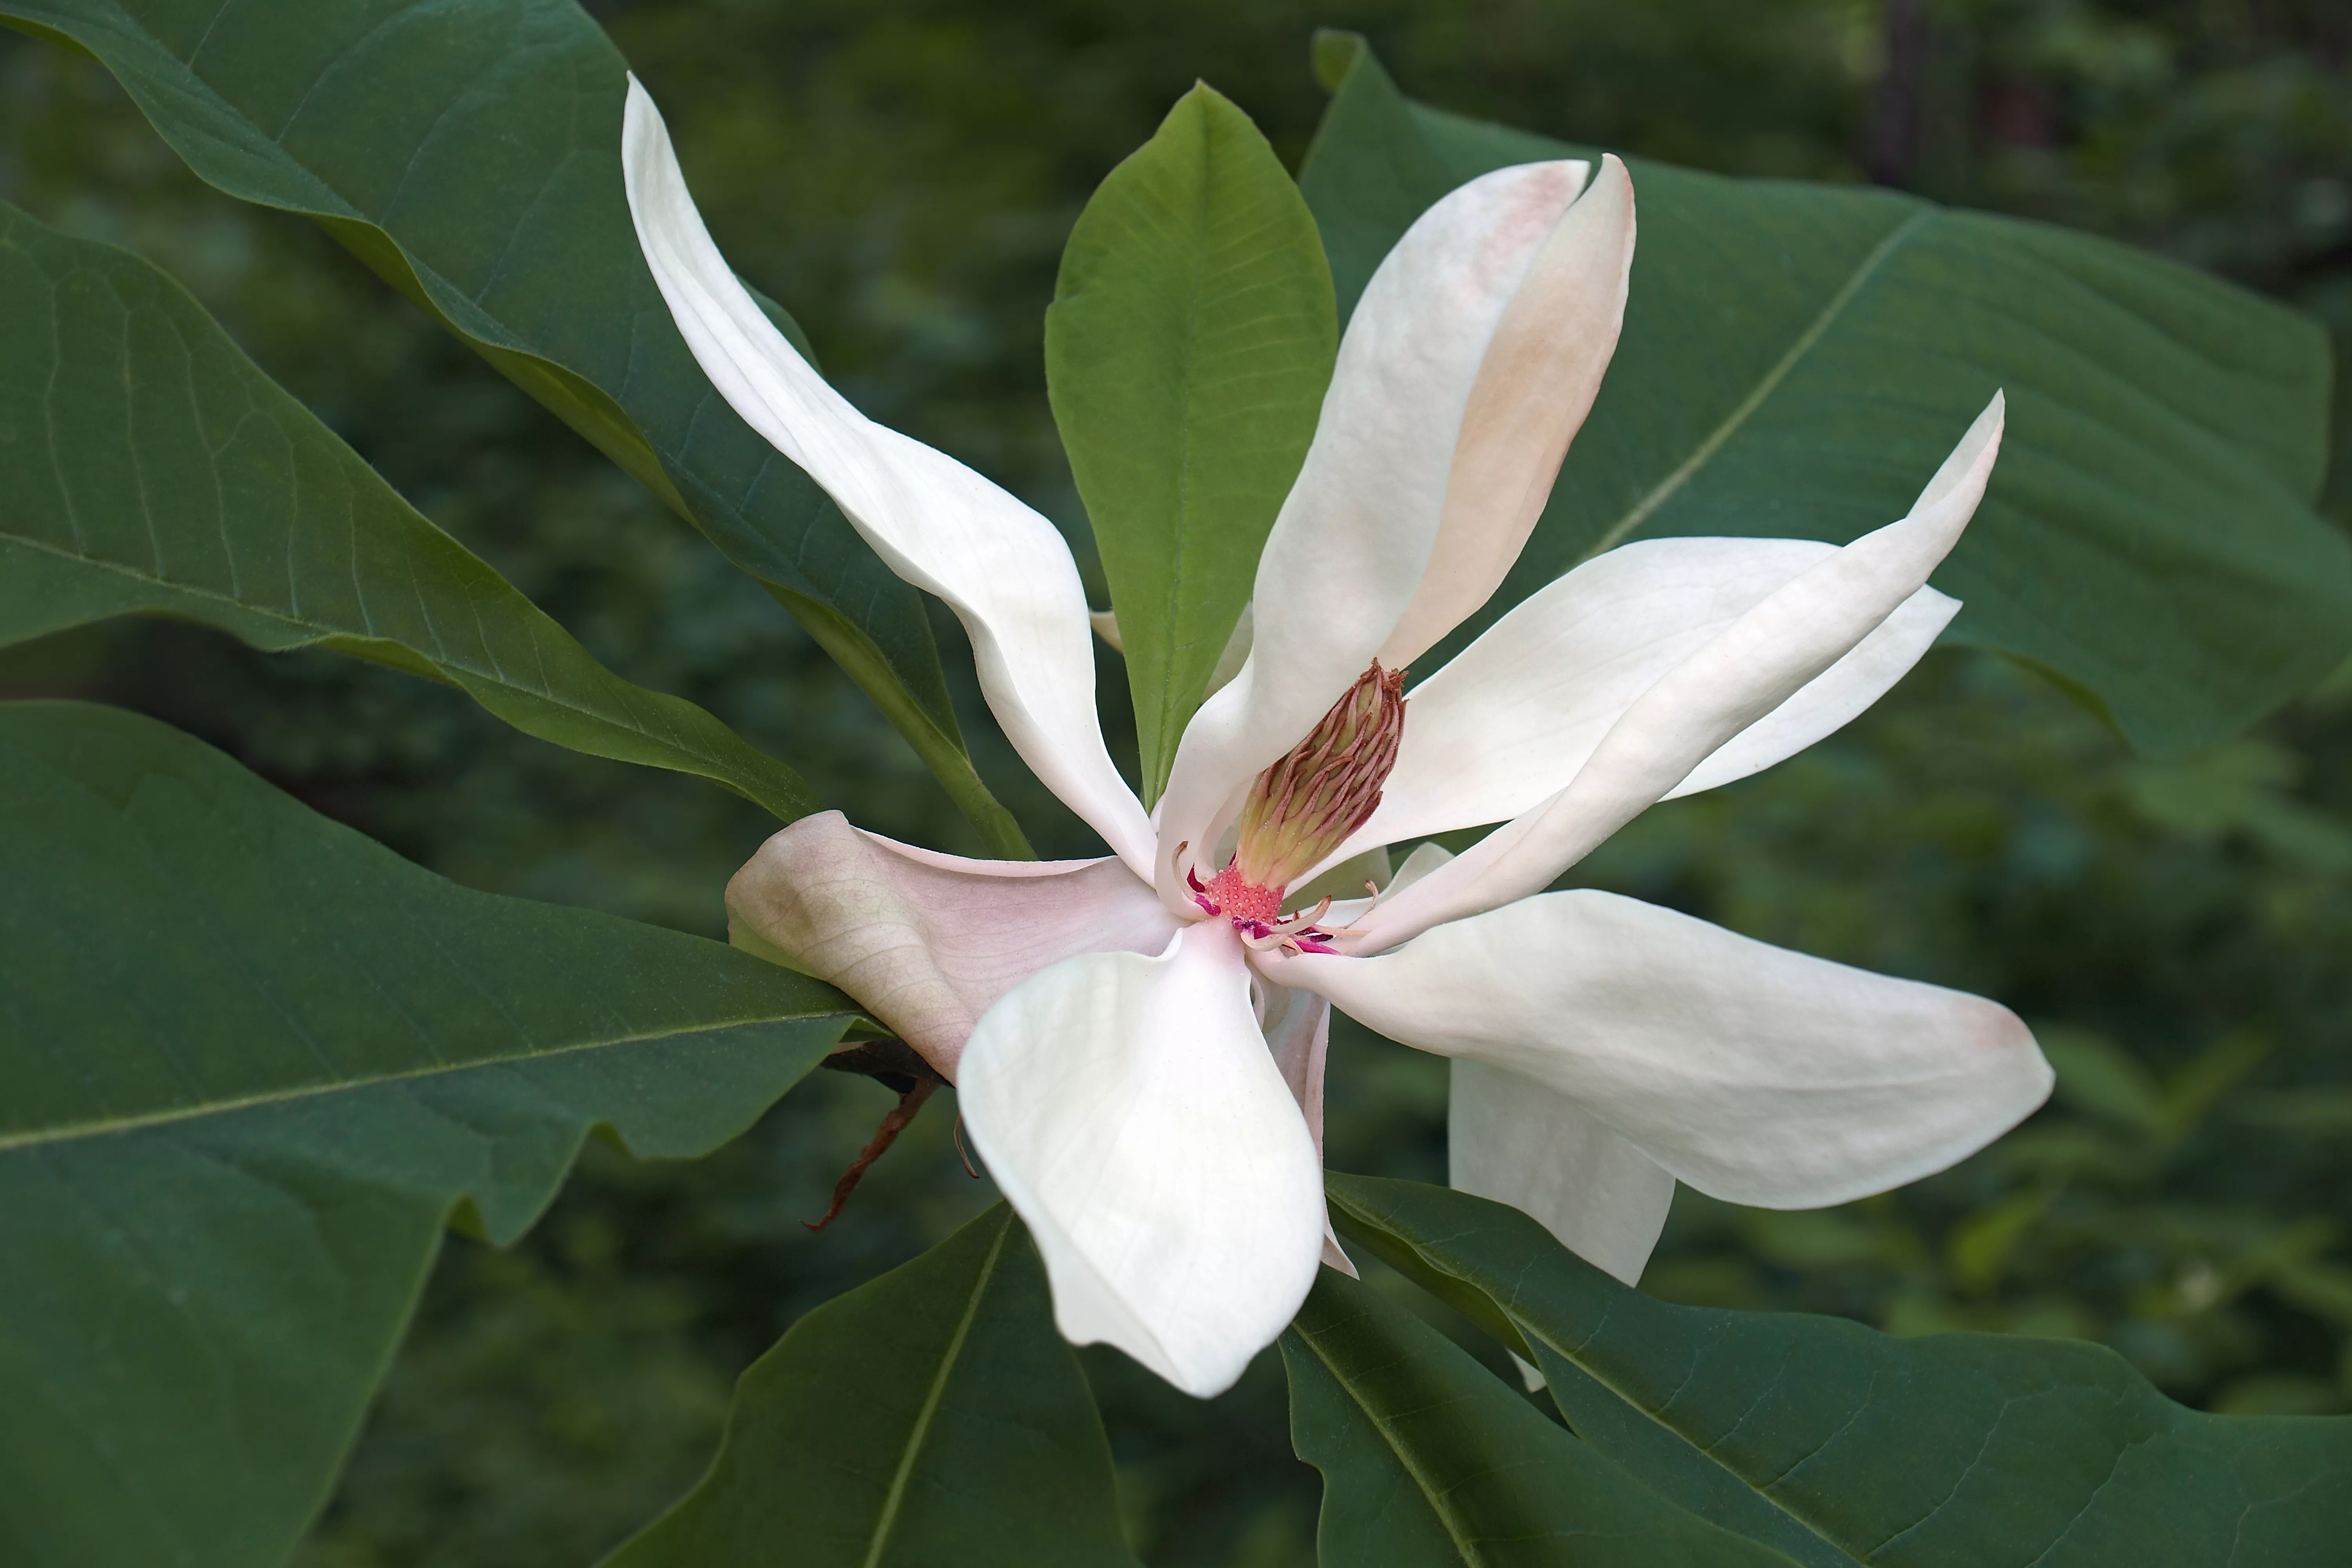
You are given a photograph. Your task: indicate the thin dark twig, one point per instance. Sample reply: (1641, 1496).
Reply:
(959, 1153)
(887, 1134)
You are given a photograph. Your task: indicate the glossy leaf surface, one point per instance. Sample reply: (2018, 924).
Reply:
(1839, 1446)
(930, 1416)
(1427, 1458)
(146, 465)
(1797, 359)
(471, 155)
(1190, 341)
(255, 1063)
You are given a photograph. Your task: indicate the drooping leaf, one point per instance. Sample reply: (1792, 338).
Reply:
(1428, 1458)
(471, 155)
(147, 465)
(1841, 1445)
(930, 1416)
(252, 1064)
(1187, 349)
(1797, 359)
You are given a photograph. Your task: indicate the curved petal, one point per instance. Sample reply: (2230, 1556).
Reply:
(1297, 1026)
(1509, 1137)
(1535, 384)
(1510, 720)
(1353, 538)
(1744, 672)
(927, 941)
(1128, 1108)
(1755, 1074)
(1002, 568)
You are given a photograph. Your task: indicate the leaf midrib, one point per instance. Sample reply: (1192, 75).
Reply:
(1708, 1453)
(895, 1498)
(35, 1138)
(1769, 383)
(1431, 1494)
(321, 631)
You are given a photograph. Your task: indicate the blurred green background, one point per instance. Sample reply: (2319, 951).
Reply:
(901, 174)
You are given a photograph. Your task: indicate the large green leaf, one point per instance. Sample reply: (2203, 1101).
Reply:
(470, 153)
(1187, 349)
(147, 465)
(1797, 358)
(931, 1416)
(1841, 1445)
(1427, 1458)
(253, 1063)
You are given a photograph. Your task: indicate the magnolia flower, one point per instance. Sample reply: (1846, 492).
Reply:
(1137, 1041)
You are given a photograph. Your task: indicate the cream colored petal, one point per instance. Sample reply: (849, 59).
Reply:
(927, 943)
(1510, 721)
(1739, 675)
(1002, 569)
(1541, 370)
(1512, 1138)
(1129, 1109)
(1350, 545)
(1757, 1075)
(1297, 1026)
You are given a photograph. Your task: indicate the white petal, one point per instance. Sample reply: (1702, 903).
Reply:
(1002, 569)
(1755, 1074)
(1297, 1026)
(1509, 1137)
(1353, 538)
(926, 941)
(1535, 386)
(1743, 673)
(1510, 720)
(1128, 1108)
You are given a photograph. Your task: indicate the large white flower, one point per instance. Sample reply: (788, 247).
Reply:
(1137, 1041)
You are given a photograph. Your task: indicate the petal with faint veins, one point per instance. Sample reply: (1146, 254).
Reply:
(1002, 569)
(925, 941)
(1297, 1026)
(1512, 1138)
(1510, 720)
(1739, 675)
(1353, 538)
(1537, 382)
(1129, 1109)
(1757, 1075)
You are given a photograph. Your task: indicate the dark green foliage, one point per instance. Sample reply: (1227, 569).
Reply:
(930, 1416)
(153, 467)
(1428, 1458)
(1843, 1446)
(256, 1063)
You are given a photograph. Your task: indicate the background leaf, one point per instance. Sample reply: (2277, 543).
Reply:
(1428, 1458)
(471, 155)
(930, 1416)
(147, 465)
(1839, 1445)
(255, 1063)
(1797, 359)
(1187, 349)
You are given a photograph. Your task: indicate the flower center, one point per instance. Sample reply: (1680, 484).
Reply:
(1305, 806)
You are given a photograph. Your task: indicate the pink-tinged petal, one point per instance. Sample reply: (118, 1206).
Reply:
(1510, 721)
(1739, 675)
(1755, 1074)
(1541, 370)
(1352, 542)
(927, 943)
(1297, 1026)
(1129, 1109)
(1520, 1143)
(1002, 569)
